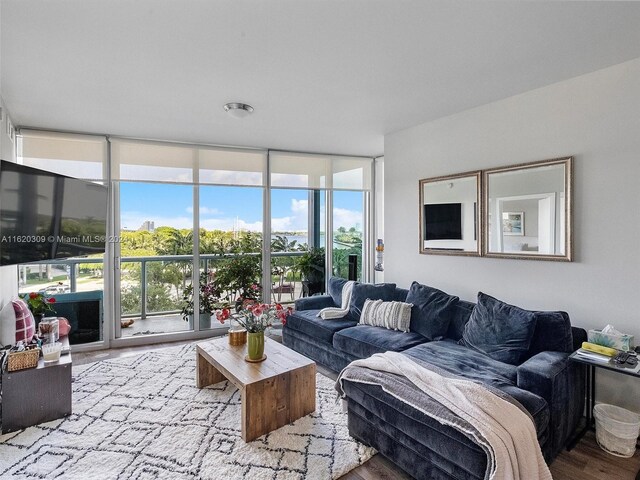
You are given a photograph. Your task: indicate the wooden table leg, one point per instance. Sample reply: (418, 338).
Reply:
(206, 374)
(277, 401)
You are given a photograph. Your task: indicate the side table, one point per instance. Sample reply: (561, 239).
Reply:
(36, 395)
(590, 384)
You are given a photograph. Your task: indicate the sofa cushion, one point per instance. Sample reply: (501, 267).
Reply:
(361, 291)
(363, 341)
(389, 315)
(552, 333)
(431, 311)
(25, 323)
(400, 295)
(308, 322)
(502, 331)
(335, 289)
(476, 366)
(460, 314)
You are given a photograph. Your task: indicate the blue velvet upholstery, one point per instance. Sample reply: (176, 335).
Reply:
(400, 295)
(549, 386)
(364, 291)
(321, 352)
(552, 377)
(308, 322)
(365, 340)
(477, 366)
(431, 311)
(461, 312)
(317, 302)
(335, 289)
(502, 331)
(417, 443)
(552, 333)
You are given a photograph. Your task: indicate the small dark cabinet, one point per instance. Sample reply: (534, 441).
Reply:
(36, 395)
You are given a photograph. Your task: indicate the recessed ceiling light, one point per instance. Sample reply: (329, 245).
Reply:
(238, 110)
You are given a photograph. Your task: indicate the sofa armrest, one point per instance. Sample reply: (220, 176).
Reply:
(317, 302)
(560, 382)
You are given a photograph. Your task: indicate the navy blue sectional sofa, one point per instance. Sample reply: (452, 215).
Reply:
(543, 380)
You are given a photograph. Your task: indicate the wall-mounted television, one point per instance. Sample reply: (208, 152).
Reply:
(443, 221)
(45, 216)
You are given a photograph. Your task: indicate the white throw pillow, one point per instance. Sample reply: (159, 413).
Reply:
(7, 324)
(389, 315)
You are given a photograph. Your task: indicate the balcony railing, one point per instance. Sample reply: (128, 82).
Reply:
(151, 285)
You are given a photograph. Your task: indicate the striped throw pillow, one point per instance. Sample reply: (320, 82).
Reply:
(25, 323)
(390, 315)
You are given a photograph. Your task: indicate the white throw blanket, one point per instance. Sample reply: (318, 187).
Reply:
(333, 313)
(505, 432)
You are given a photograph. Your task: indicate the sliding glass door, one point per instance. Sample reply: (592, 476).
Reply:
(156, 257)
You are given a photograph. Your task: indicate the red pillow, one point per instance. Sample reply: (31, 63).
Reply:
(25, 323)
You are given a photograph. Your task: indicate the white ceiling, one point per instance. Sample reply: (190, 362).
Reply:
(327, 76)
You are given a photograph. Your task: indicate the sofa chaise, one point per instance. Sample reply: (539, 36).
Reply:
(543, 380)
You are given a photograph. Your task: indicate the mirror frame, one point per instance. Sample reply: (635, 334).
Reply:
(479, 227)
(568, 183)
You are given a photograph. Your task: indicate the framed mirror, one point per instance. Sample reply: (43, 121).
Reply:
(450, 214)
(527, 211)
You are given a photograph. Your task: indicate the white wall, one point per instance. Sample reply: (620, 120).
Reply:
(8, 275)
(595, 118)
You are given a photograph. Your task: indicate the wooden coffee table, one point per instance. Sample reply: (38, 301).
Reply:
(274, 392)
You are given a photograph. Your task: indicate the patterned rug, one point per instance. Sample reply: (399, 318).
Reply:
(142, 417)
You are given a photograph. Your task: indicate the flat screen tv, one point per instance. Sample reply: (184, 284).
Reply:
(45, 216)
(443, 221)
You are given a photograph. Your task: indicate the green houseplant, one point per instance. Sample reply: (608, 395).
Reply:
(238, 279)
(209, 300)
(311, 267)
(39, 304)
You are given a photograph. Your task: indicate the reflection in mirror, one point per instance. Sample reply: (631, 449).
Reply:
(528, 210)
(449, 213)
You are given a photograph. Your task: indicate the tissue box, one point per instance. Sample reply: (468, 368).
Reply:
(620, 342)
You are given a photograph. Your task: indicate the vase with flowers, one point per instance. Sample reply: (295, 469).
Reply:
(255, 318)
(39, 304)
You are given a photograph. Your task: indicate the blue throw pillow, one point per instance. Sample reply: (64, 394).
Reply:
(499, 330)
(335, 289)
(364, 291)
(552, 333)
(431, 311)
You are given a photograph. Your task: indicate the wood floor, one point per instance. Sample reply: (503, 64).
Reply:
(586, 461)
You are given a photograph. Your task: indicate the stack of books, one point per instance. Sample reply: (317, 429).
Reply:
(593, 356)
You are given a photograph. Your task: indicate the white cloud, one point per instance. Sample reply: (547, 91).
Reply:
(346, 218)
(206, 211)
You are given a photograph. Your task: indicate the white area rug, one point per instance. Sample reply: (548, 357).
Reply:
(143, 418)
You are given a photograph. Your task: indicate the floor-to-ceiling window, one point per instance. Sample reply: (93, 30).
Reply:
(311, 184)
(192, 227)
(76, 285)
(200, 227)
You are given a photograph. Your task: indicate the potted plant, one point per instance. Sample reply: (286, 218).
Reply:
(39, 304)
(255, 318)
(311, 266)
(209, 301)
(238, 279)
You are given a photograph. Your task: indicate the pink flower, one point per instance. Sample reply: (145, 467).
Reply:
(278, 307)
(222, 315)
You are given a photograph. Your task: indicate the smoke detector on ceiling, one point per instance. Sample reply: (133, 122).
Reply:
(238, 110)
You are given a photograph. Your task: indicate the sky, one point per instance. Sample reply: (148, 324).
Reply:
(222, 207)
